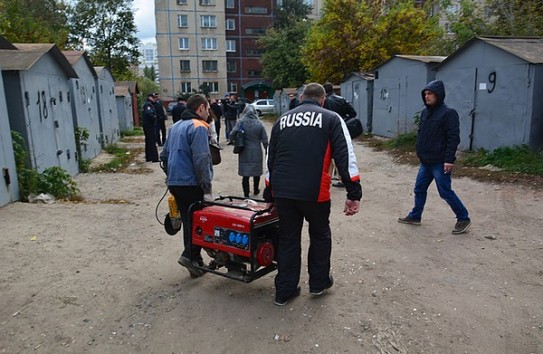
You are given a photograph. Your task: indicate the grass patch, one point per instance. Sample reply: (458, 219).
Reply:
(404, 141)
(512, 159)
(137, 131)
(121, 158)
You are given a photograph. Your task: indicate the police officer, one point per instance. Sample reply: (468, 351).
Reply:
(160, 125)
(149, 121)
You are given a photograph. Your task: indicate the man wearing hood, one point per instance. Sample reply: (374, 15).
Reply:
(189, 170)
(437, 139)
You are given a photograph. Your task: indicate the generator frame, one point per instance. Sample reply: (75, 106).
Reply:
(254, 272)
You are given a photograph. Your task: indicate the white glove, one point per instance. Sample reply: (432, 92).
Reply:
(209, 197)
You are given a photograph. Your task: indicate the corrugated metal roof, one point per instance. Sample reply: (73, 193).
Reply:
(423, 58)
(527, 48)
(27, 54)
(73, 56)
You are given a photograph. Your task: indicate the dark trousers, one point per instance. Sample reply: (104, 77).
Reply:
(229, 125)
(160, 129)
(291, 218)
(246, 188)
(184, 197)
(218, 128)
(151, 152)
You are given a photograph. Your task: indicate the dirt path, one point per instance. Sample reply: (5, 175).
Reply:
(102, 277)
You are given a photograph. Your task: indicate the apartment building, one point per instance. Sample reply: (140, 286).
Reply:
(148, 58)
(191, 46)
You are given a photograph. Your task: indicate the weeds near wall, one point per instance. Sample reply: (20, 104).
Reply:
(54, 180)
(512, 159)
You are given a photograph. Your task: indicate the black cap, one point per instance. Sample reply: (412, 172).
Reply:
(150, 94)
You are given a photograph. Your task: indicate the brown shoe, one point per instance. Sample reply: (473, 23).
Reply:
(461, 227)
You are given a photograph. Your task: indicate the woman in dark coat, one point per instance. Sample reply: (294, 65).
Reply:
(250, 160)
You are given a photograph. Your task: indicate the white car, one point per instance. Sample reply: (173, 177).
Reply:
(264, 106)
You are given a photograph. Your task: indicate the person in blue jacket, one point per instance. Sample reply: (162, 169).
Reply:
(437, 140)
(189, 170)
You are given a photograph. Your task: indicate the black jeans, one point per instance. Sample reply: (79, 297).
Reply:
(184, 197)
(291, 218)
(160, 129)
(151, 152)
(246, 188)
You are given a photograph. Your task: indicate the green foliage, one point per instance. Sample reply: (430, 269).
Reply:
(407, 140)
(108, 28)
(145, 85)
(137, 131)
(34, 21)
(354, 36)
(149, 72)
(282, 58)
(289, 13)
(513, 159)
(56, 181)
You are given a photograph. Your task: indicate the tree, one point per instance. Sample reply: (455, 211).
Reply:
(355, 35)
(34, 21)
(107, 29)
(282, 45)
(517, 17)
(149, 72)
(282, 59)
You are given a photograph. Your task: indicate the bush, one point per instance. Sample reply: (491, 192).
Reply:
(513, 159)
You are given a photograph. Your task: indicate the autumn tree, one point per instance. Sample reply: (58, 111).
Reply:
(357, 35)
(106, 28)
(34, 21)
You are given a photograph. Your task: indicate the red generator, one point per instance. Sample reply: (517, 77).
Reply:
(239, 234)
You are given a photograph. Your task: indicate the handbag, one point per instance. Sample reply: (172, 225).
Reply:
(239, 143)
(215, 151)
(354, 125)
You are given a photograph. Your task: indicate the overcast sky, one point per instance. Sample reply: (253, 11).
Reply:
(145, 20)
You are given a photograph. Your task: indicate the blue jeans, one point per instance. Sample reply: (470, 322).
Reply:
(428, 173)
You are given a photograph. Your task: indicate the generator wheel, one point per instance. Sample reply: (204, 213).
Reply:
(170, 230)
(265, 254)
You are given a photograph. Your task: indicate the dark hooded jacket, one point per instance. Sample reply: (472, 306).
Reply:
(439, 129)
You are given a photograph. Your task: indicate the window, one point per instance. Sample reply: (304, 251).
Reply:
(182, 21)
(209, 21)
(213, 86)
(207, 2)
(182, 2)
(230, 24)
(230, 4)
(230, 45)
(232, 87)
(209, 43)
(186, 87)
(149, 55)
(184, 66)
(254, 73)
(256, 10)
(254, 52)
(255, 31)
(184, 43)
(231, 66)
(209, 66)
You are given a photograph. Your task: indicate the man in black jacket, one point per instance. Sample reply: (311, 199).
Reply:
(160, 125)
(149, 121)
(342, 107)
(437, 140)
(178, 109)
(303, 143)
